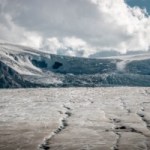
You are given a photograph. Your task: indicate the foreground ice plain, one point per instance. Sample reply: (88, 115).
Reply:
(75, 119)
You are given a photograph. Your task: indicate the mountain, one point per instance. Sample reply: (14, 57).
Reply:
(105, 54)
(26, 67)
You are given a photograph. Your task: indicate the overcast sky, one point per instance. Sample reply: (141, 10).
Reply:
(76, 27)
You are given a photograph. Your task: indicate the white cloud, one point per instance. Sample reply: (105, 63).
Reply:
(74, 42)
(130, 26)
(15, 34)
(66, 46)
(77, 28)
(51, 44)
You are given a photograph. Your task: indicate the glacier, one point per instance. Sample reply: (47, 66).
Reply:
(106, 118)
(103, 105)
(25, 67)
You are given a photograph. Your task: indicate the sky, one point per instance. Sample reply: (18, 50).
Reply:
(76, 27)
(140, 3)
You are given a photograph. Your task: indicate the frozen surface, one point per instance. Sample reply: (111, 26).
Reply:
(75, 119)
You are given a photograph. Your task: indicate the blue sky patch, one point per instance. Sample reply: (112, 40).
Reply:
(140, 3)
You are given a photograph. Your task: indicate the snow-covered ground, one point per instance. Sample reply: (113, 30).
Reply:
(75, 119)
(26, 67)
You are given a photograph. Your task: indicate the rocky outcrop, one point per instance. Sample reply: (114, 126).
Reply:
(9, 78)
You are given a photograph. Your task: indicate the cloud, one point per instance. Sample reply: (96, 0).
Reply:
(71, 46)
(13, 33)
(77, 28)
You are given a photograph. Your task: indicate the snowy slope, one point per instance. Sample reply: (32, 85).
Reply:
(25, 67)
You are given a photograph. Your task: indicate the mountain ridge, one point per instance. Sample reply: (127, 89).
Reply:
(26, 67)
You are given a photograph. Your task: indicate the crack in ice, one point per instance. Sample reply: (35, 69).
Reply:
(63, 124)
